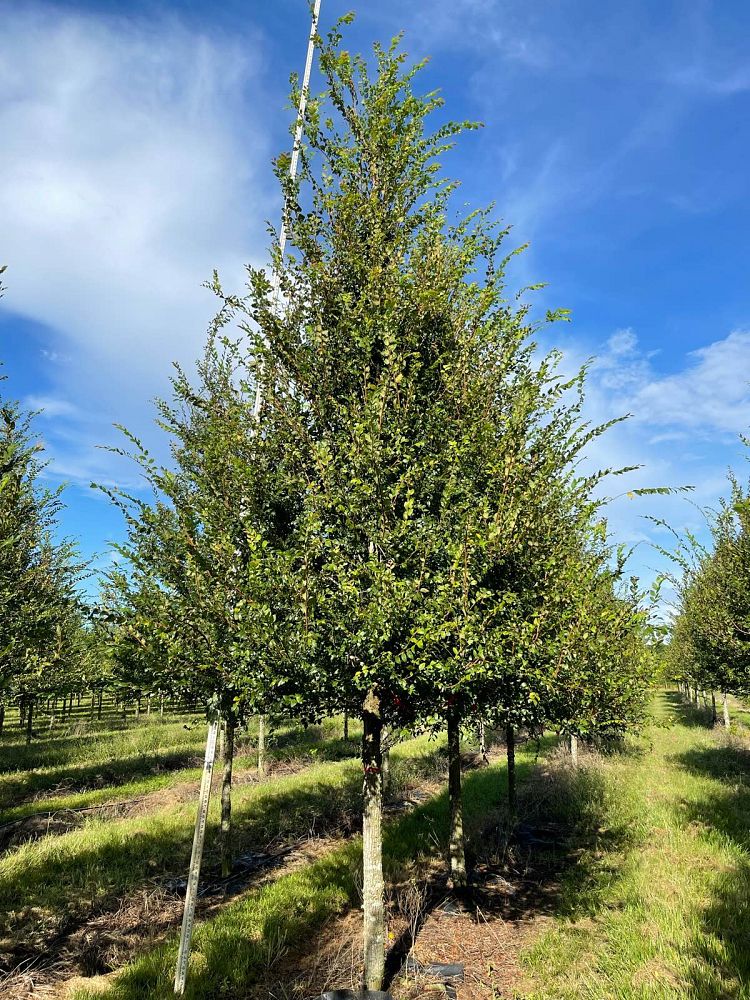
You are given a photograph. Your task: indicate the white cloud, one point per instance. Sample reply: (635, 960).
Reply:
(710, 395)
(131, 167)
(50, 406)
(684, 432)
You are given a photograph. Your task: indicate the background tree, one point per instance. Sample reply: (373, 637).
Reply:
(199, 604)
(710, 642)
(40, 607)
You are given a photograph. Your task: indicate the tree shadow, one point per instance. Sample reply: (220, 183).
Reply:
(723, 810)
(726, 762)
(15, 791)
(689, 715)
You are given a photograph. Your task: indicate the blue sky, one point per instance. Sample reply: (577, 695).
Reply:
(135, 149)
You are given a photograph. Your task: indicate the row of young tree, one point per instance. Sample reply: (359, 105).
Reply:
(375, 502)
(43, 641)
(709, 650)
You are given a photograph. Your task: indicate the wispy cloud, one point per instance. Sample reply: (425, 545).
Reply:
(131, 163)
(710, 395)
(134, 160)
(49, 407)
(685, 431)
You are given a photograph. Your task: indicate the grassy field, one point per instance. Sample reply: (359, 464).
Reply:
(80, 766)
(659, 904)
(54, 886)
(650, 898)
(234, 952)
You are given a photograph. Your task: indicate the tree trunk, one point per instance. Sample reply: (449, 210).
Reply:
(713, 708)
(148, 706)
(93, 706)
(227, 753)
(725, 703)
(346, 725)
(372, 845)
(21, 713)
(29, 720)
(2, 716)
(456, 847)
(261, 745)
(99, 709)
(482, 739)
(510, 743)
(385, 769)
(138, 707)
(161, 705)
(573, 745)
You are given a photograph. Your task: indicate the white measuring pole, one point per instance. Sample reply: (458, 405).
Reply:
(191, 894)
(293, 166)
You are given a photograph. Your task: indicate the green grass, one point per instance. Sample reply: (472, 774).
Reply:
(97, 768)
(656, 905)
(49, 882)
(659, 904)
(236, 949)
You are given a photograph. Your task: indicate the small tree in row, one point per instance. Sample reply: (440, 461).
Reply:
(710, 643)
(42, 642)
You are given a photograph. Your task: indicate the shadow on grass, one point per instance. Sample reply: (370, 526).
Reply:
(690, 715)
(721, 943)
(728, 762)
(15, 791)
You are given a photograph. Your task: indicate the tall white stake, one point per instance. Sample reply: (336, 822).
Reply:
(293, 165)
(191, 894)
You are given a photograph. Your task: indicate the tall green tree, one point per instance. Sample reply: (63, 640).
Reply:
(430, 447)
(198, 603)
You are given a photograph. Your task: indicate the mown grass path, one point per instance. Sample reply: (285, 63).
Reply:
(79, 770)
(659, 906)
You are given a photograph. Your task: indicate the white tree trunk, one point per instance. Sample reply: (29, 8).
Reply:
(373, 890)
(456, 849)
(261, 745)
(227, 754)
